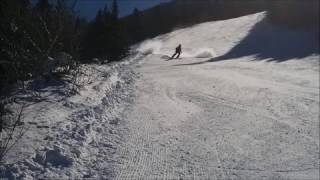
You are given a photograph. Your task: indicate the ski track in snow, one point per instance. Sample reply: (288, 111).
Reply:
(149, 118)
(189, 123)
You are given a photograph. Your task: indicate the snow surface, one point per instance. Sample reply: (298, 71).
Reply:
(73, 136)
(244, 118)
(194, 118)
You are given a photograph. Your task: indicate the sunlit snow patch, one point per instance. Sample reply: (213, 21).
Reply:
(201, 53)
(150, 47)
(156, 47)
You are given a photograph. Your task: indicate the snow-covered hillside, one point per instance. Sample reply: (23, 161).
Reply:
(211, 38)
(232, 107)
(248, 112)
(245, 36)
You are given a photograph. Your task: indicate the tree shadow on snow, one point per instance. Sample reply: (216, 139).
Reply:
(277, 44)
(41, 86)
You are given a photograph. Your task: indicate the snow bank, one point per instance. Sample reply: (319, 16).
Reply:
(67, 133)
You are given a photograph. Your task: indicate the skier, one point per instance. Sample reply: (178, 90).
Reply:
(178, 51)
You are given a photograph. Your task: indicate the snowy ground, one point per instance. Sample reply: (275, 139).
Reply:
(199, 117)
(241, 118)
(73, 136)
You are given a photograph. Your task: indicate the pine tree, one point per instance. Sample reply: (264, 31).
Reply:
(106, 38)
(106, 14)
(114, 10)
(137, 29)
(115, 41)
(43, 7)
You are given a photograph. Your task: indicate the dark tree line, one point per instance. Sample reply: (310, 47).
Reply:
(47, 40)
(105, 38)
(31, 39)
(30, 36)
(181, 13)
(295, 13)
(36, 38)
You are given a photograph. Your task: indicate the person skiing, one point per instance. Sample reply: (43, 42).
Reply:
(178, 51)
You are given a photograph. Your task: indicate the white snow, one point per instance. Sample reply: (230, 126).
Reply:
(194, 118)
(73, 136)
(237, 118)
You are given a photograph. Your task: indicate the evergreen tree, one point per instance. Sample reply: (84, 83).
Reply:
(134, 27)
(114, 10)
(106, 14)
(43, 7)
(27, 38)
(106, 38)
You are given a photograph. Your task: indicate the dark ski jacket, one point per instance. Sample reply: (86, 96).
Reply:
(178, 49)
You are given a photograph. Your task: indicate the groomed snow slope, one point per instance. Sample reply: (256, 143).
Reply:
(244, 118)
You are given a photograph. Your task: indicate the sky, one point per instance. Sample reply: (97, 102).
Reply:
(89, 8)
